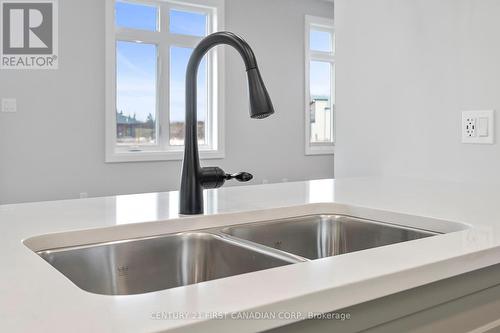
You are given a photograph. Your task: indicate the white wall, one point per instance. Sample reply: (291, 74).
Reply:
(405, 71)
(36, 165)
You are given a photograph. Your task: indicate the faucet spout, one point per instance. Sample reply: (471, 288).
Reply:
(194, 177)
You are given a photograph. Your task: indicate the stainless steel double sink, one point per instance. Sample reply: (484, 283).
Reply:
(141, 265)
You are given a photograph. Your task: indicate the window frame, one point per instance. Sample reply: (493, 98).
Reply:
(322, 24)
(164, 40)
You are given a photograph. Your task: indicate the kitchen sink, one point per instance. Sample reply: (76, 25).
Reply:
(140, 265)
(319, 236)
(156, 263)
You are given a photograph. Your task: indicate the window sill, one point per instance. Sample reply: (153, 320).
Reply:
(152, 156)
(320, 150)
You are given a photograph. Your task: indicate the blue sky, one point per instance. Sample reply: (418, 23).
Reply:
(320, 41)
(136, 16)
(320, 78)
(136, 80)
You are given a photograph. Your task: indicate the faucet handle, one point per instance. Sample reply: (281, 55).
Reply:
(215, 177)
(240, 176)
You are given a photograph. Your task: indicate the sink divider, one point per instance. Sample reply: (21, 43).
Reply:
(279, 254)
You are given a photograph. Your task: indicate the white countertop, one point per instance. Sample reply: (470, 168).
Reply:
(36, 297)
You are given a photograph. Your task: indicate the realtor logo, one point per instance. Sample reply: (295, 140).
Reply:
(29, 34)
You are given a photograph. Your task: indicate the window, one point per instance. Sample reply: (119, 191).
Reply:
(148, 45)
(320, 85)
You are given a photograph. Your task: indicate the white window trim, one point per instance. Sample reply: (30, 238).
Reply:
(216, 60)
(318, 23)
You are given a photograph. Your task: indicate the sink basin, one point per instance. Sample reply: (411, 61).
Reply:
(319, 236)
(147, 264)
(156, 263)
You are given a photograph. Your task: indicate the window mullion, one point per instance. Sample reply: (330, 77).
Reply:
(214, 102)
(332, 102)
(162, 97)
(133, 35)
(184, 41)
(165, 75)
(320, 56)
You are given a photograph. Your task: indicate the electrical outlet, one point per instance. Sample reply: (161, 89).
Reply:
(478, 126)
(470, 127)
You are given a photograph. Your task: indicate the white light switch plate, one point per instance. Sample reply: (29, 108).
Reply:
(478, 126)
(9, 105)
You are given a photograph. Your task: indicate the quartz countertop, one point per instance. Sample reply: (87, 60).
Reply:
(34, 296)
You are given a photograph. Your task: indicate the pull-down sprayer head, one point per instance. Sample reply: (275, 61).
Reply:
(260, 103)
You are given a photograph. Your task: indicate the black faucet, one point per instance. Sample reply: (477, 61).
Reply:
(195, 178)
